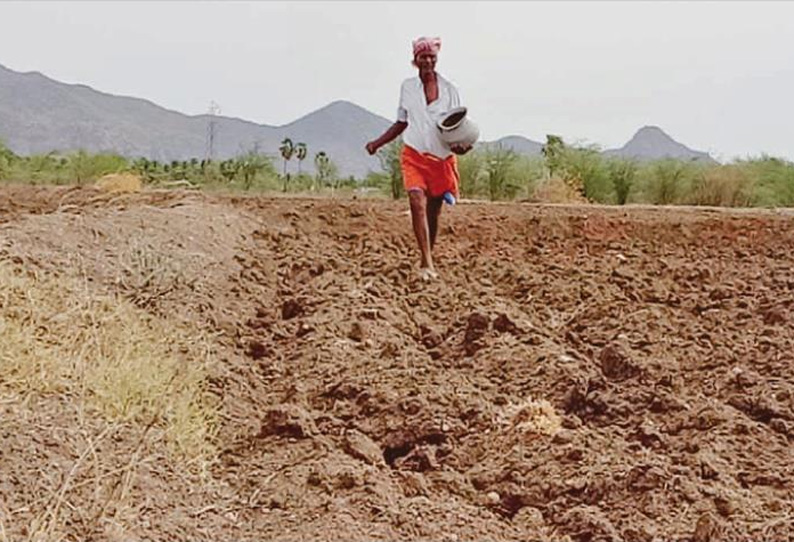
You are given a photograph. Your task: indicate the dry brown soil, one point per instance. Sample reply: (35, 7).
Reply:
(578, 373)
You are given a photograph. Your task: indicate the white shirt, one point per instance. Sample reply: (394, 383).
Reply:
(422, 133)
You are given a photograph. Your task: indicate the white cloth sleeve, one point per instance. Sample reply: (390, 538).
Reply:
(454, 97)
(402, 109)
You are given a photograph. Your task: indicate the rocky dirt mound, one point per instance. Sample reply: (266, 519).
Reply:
(578, 374)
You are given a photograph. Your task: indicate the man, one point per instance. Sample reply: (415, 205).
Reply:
(429, 167)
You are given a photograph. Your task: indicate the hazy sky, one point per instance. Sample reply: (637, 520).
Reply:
(717, 76)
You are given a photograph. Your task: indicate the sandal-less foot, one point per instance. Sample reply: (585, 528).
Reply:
(426, 274)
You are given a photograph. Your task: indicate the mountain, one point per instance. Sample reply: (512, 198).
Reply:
(519, 144)
(40, 115)
(341, 129)
(652, 143)
(649, 143)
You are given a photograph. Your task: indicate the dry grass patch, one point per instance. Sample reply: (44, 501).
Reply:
(123, 183)
(726, 186)
(115, 359)
(146, 275)
(531, 417)
(556, 190)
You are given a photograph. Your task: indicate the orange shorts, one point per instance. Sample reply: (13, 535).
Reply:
(429, 173)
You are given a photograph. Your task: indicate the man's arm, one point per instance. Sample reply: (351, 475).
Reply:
(388, 136)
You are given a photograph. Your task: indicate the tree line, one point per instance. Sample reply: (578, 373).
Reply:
(575, 173)
(251, 170)
(562, 173)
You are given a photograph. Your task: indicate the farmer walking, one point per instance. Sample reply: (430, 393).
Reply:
(429, 166)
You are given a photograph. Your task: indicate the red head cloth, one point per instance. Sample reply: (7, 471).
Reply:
(424, 45)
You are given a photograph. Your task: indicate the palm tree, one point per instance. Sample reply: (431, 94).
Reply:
(301, 151)
(326, 169)
(320, 166)
(287, 149)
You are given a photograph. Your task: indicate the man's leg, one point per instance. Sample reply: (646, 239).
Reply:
(419, 213)
(433, 212)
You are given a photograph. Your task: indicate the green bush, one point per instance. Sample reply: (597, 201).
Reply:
(724, 186)
(773, 181)
(86, 168)
(6, 159)
(389, 157)
(667, 181)
(587, 167)
(381, 181)
(582, 168)
(525, 174)
(623, 175)
(499, 163)
(472, 174)
(5, 167)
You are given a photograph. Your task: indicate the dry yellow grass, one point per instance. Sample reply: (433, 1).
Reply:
(531, 416)
(90, 375)
(120, 183)
(724, 186)
(556, 190)
(120, 362)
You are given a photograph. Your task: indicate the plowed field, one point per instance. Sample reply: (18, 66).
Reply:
(578, 373)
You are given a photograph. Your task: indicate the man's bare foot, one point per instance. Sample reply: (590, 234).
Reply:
(427, 274)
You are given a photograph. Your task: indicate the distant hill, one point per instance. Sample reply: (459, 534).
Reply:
(40, 115)
(519, 144)
(649, 143)
(652, 143)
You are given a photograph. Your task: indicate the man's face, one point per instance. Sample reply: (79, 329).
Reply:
(426, 61)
